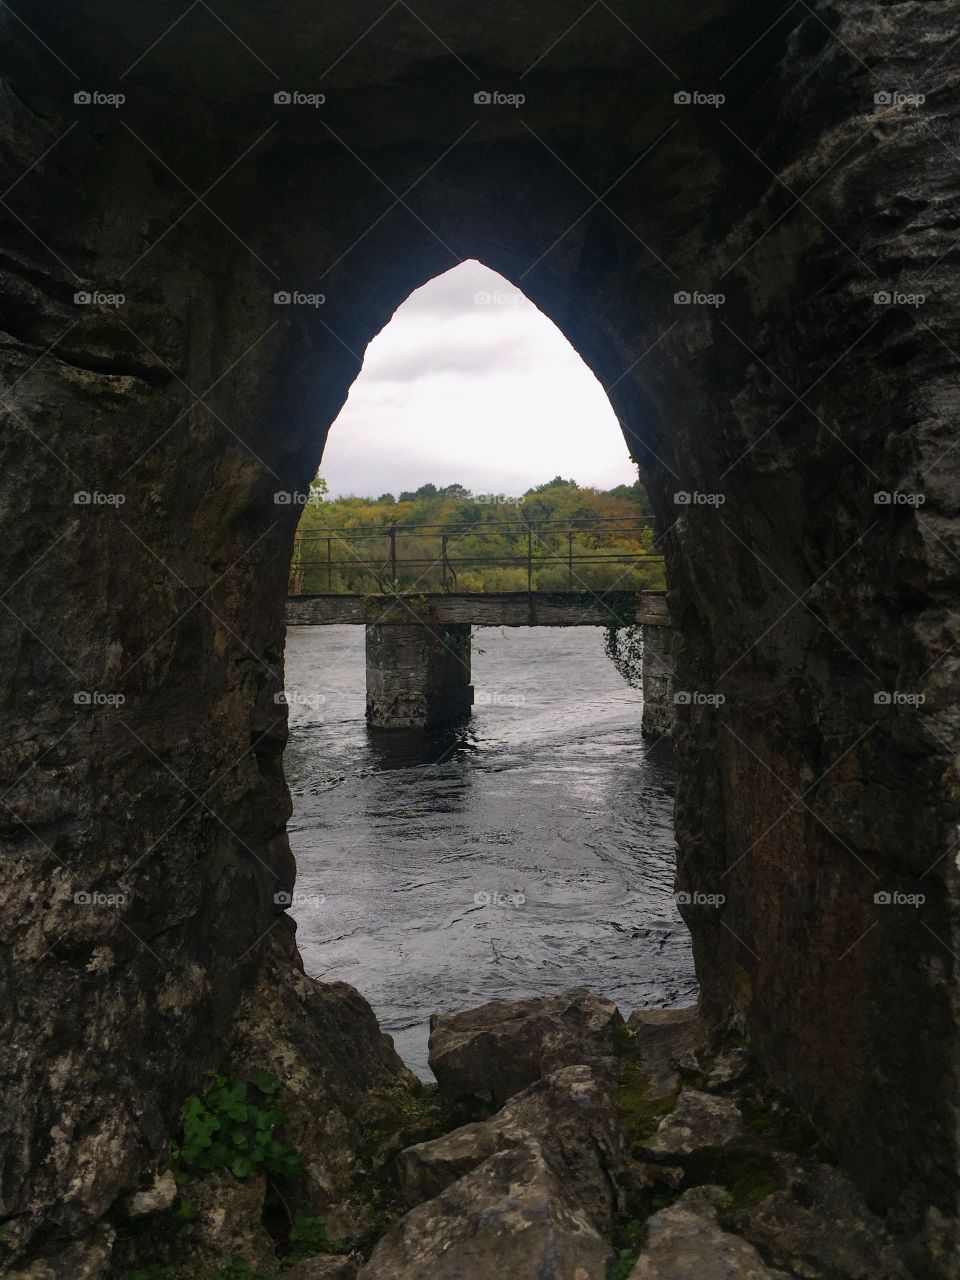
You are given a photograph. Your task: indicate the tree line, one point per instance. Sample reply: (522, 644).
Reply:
(343, 544)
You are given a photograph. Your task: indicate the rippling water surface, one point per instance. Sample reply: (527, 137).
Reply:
(529, 851)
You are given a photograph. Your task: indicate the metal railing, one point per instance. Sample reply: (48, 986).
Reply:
(426, 557)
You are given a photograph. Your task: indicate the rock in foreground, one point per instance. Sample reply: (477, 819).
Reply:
(323, 1267)
(498, 1049)
(685, 1242)
(698, 1120)
(510, 1217)
(571, 1116)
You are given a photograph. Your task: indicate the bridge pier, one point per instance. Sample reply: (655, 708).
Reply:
(659, 711)
(418, 675)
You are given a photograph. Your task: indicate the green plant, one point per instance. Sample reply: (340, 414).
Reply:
(622, 1265)
(231, 1128)
(641, 1111)
(623, 645)
(308, 1237)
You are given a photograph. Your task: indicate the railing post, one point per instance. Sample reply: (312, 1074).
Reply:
(529, 559)
(393, 555)
(329, 565)
(569, 559)
(443, 558)
(297, 562)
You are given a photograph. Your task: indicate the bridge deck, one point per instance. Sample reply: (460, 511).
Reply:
(505, 609)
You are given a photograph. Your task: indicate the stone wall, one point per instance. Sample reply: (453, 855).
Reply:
(418, 674)
(659, 681)
(806, 199)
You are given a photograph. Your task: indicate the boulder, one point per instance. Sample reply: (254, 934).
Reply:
(498, 1049)
(685, 1242)
(728, 1068)
(87, 1259)
(155, 1198)
(342, 1080)
(510, 1217)
(228, 1224)
(662, 1040)
(327, 1266)
(571, 1115)
(819, 1226)
(699, 1121)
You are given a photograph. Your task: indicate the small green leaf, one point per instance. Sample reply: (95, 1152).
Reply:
(264, 1081)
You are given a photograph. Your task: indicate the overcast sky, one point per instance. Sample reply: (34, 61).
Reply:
(469, 383)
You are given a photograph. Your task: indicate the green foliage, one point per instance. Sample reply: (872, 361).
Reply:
(622, 1265)
(231, 1128)
(490, 528)
(748, 1177)
(633, 493)
(308, 1237)
(640, 1110)
(624, 647)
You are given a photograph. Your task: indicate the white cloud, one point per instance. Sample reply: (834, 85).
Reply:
(487, 394)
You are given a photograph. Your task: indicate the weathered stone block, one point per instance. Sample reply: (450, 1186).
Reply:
(501, 1047)
(418, 674)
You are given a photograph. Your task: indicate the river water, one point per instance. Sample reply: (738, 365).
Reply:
(530, 851)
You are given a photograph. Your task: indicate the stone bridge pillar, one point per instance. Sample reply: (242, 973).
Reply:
(659, 712)
(418, 674)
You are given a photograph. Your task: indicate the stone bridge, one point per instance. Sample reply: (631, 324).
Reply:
(730, 209)
(418, 647)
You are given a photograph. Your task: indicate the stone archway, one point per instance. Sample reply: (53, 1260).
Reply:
(801, 599)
